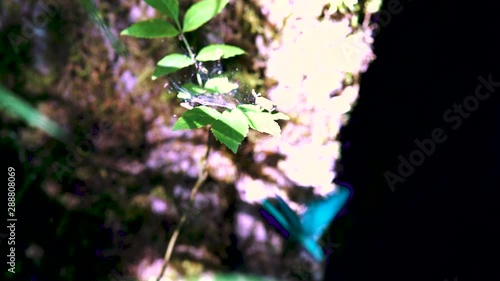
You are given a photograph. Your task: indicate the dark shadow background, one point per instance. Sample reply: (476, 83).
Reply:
(442, 221)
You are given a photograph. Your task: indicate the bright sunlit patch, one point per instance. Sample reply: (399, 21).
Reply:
(253, 190)
(317, 172)
(158, 206)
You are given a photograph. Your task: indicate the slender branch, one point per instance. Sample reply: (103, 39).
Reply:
(201, 178)
(191, 55)
(204, 170)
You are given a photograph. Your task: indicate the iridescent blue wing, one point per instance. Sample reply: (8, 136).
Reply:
(312, 247)
(290, 215)
(320, 213)
(284, 215)
(312, 224)
(277, 219)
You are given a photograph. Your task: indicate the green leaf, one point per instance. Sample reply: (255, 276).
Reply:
(160, 71)
(220, 85)
(201, 12)
(169, 8)
(280, 116)
(231, 129)
(250, 107)
(196, 118)
(154, 28)
(259, 108)
(218, 51)
(18, 107)
(183, 95)
(193, 88)
(262, 121)
(264, 103)
(175, 61)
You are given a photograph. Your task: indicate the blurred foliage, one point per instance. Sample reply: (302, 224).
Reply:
(16, 106)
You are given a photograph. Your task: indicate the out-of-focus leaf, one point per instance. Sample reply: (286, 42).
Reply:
(231, 129)
(193, 88)
(169, 8)
(250, 107)
(218, 51)
(93, 14)
(160, 71)
(373, 6)
(176, 61)
(201, 12)
(16, 106)
(280, 116)
(154, 28)
(170, 64)
(264, 103)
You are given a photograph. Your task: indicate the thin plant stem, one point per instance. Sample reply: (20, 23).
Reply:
(201, 179)
(191, 55)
